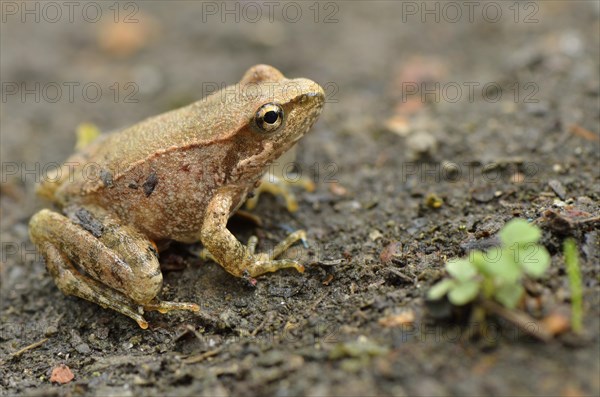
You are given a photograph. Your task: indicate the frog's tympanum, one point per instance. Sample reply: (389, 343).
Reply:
(176, 176)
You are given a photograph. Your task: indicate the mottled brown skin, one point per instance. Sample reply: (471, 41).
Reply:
(177, 176)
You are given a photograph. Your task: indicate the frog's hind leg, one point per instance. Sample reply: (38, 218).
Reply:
(91, 256)
(139, 253)
(71, 282)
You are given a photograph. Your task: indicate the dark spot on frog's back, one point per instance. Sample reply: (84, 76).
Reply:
(150, 183)
(89, 223)
(106, 177)
(185, 168)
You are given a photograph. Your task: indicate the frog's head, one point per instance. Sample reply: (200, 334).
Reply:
(277, 111)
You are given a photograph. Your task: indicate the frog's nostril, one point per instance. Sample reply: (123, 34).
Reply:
(317, 97)
(318, 94)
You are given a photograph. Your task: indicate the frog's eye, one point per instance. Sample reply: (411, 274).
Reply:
(269, 117)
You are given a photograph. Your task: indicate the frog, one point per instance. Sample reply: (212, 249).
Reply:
(178, 176)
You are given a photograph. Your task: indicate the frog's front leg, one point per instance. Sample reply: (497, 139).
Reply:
(232, 255)
(120, 267)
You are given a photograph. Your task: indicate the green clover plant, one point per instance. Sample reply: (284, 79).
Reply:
(497, 273)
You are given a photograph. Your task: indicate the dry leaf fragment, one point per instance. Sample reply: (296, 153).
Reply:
(407, 317)
(61, 374)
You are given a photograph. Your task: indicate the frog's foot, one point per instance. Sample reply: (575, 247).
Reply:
(266, 262)
(280, 187)
(236, 258)
(167, 306)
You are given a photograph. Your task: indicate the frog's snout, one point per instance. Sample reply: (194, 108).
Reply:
(312, 91)
(317, 96)
(312, 98)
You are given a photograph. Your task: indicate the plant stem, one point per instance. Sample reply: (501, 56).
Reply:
(523, 321)
(574, 273)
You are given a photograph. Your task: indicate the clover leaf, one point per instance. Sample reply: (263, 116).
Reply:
(496, 273)
(509, 294)
(519, 231)
(461, 269)
(535, 260)
(464, 292)
(499, 263)
(440, 289)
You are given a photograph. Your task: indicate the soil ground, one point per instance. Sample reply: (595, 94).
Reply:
(408, 175)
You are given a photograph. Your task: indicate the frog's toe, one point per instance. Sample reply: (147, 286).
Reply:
(298, 235)
(307, 184)
(167, 306)
(291, 204)
(142, 323)
(252, 202)
(261, 267)
(266, 263)
(252, 243)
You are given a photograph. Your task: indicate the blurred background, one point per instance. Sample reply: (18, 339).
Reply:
(114, 64)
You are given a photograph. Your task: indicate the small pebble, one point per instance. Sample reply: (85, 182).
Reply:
(375, 235)
(421, 143)
(51, 330)
(398, 125)
(483, 194)
(558, 188)
(433, 201)
(537, 109)
(390, 252)
(83, 348)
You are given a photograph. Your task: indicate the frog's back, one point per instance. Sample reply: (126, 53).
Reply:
(115, 155)
(194, 125)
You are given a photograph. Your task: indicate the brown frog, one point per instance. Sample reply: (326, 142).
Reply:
(176, 176)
